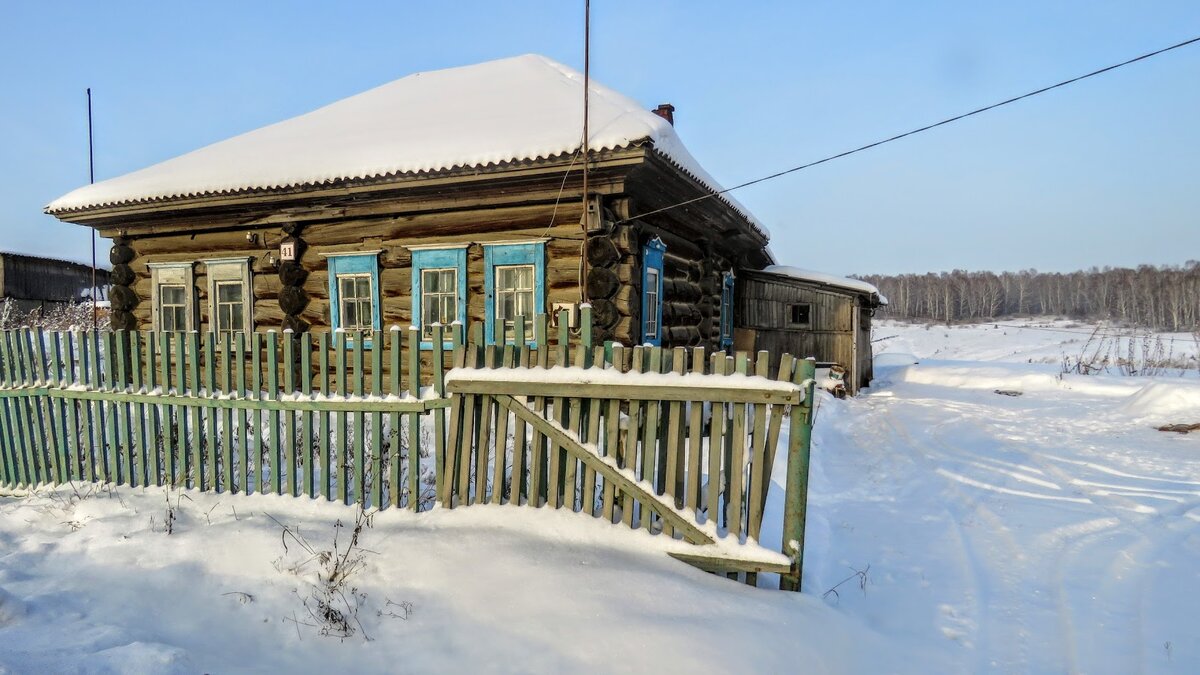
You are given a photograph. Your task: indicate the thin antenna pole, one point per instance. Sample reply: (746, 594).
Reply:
(91, 180)
(587, 33)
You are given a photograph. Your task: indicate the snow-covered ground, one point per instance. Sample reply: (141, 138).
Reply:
(963, 530)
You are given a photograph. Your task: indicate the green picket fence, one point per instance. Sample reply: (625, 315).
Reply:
(338, 416)
(371, 418)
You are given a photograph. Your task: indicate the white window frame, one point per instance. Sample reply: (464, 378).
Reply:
(498, 293)
(229, 270)
(370, 298)
(172, 274)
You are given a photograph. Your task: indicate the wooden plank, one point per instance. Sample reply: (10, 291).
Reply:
(341, 447)
(179, 457)
(45, 455)
(414, 419)
(631, 513)
(500, 445)
(737, 465)
(257, 445)
(112, 445)
(275, 475)
(695, 442)
(575, 424)
(137, 470)
(537, 450)
(674, 428)
(484, 406)
(716, 445)
(796, 493)
(394, 455)
(594, 408)
(304, 342)
(377, 476)
(651, 461)
(325, 448)
(210, 436)
(224, 357)
(359, 441)
(239, 349)
(439, 388)
(51, 407)
(291, 484)
(197, 415)
(778, 412)
(758, 455)
(567, 441)
(724, 565)
(518, 490)
(466, 440)
(75, 466)
(658, 391)
(612, 438)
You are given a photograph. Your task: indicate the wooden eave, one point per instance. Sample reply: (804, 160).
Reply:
(494, 185)
(659, 183)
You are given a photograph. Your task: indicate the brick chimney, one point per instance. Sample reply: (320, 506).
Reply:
(666, 111)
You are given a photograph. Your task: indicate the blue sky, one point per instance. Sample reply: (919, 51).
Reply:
(1101, 173)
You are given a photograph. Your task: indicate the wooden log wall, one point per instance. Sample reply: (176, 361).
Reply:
(272, 283)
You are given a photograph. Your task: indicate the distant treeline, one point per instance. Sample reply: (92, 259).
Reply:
(1165, 298)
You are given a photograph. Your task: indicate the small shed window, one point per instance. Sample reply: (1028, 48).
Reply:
(230, 295)
(354, 291)
(652, 287)
(800, 315)
(727, 311)
(514, 285)
(173, 296)
(439, 288)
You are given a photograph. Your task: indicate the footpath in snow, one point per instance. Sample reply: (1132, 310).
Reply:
(1051, 531)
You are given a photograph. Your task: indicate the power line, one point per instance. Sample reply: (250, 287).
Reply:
(921, 129)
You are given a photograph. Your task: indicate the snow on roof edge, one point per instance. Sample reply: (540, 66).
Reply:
(828, 279)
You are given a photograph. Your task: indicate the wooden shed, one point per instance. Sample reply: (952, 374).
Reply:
(453, 195)
(29, 283)
(785, 309)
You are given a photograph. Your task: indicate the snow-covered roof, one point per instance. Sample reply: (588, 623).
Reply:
(829, 280)
(521, 108)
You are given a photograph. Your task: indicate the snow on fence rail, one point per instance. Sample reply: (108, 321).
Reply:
(627, 435)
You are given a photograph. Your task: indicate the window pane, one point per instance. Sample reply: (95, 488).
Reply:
(363, 287)
(171, 295)
(229, 292)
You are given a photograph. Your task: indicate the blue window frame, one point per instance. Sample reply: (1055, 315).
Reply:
(514, 283)
(652, 287)
(727, 311)
(439, 289)
(354, 291)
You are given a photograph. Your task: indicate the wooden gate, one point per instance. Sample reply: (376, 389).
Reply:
(678, 442)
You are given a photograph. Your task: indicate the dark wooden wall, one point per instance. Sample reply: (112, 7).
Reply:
(41, 279)
(762, 306)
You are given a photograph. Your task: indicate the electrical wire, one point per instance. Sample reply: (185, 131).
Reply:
(919, 130)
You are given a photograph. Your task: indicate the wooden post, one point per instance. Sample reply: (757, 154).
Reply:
(796, 496)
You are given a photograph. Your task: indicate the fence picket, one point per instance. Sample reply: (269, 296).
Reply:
(324, 446)
(359, 440)
(275, 475)
(226, 351)
(210, 416)
(341, 446)
(377, 475)
(258, 484)
(291, 485)
(137, 470)
(414, 419)
(439, 389)
(394, 467)
(240, 359)
(196, 413)
(306, 417)
(517, 481)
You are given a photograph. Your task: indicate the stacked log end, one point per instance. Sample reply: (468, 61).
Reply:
(292, 298)
(121, 296)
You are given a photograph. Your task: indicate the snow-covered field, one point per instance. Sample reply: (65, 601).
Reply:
(964, 530)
